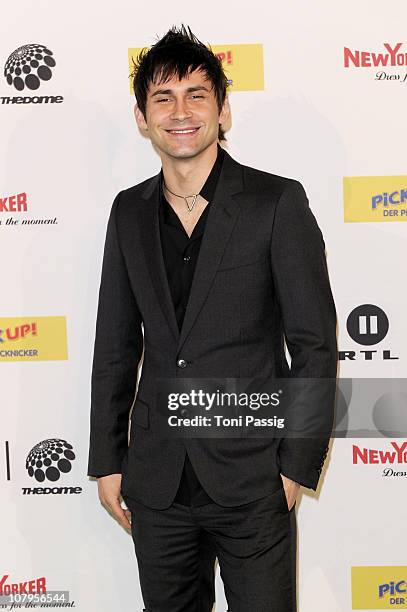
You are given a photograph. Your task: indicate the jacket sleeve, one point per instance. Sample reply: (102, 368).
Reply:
(117, 353)
(308, 312)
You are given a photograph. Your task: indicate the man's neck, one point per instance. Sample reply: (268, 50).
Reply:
(187, 176)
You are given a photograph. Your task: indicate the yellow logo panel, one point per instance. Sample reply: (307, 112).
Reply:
(375, 198)
(243, 65)
(379, 588)
(33, 338)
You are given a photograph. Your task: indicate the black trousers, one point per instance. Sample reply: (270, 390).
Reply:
(255, 544)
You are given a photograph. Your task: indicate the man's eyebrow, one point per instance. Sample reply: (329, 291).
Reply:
(189, 90)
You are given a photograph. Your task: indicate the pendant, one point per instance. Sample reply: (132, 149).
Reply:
(194, 197)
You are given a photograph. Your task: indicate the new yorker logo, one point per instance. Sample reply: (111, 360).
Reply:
(367, 325)
(32, 586)
(14, 203)
(27, 69)
(18, 203)
(397, 454)
(392, 56)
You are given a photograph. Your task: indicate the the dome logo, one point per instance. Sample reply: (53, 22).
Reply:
(49, 458)
(28, 66)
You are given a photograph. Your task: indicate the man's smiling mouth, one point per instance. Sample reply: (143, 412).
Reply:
(182, 131)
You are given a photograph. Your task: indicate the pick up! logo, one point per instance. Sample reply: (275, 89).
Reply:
(379, 587)
(25, 339)
(393, 589)
(19, 332)
(375, 198)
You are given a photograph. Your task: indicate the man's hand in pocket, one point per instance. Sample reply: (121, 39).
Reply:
(291, 489)
(109, 495)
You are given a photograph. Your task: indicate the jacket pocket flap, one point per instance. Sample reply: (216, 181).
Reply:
(242, 262)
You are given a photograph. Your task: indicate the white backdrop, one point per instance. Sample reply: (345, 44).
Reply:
(316, 121)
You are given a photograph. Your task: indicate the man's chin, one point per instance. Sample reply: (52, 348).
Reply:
(184, 152)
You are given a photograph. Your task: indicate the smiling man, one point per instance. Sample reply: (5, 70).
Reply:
(219, 264)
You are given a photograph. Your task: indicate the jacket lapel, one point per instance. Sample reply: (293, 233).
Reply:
(222, 216)
(151, 242)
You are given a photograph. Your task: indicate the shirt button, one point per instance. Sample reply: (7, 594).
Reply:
(181, 363)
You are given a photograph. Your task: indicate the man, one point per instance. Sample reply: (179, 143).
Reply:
(220, 263)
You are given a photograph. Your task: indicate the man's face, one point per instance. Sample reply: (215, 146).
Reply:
(182, 116)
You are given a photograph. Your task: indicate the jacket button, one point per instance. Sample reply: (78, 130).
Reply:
(181, 363)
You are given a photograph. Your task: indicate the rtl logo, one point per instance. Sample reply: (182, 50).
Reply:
(367, 325)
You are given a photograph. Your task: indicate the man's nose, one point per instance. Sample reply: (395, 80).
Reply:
(181, 110)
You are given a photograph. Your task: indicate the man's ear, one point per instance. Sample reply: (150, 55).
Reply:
(224, 114)
(141, 122)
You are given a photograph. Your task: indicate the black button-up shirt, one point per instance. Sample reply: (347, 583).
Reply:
(180, 253)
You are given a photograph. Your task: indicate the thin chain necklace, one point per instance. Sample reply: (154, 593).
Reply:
(194, 197)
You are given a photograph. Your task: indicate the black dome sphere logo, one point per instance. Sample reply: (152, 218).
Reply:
(49, 458)
(28, 65)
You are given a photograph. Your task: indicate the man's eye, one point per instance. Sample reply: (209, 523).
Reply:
(166, 99)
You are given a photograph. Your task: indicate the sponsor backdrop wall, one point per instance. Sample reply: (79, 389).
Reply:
(319, 93)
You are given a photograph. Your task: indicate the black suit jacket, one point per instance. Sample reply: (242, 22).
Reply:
(261, 276)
